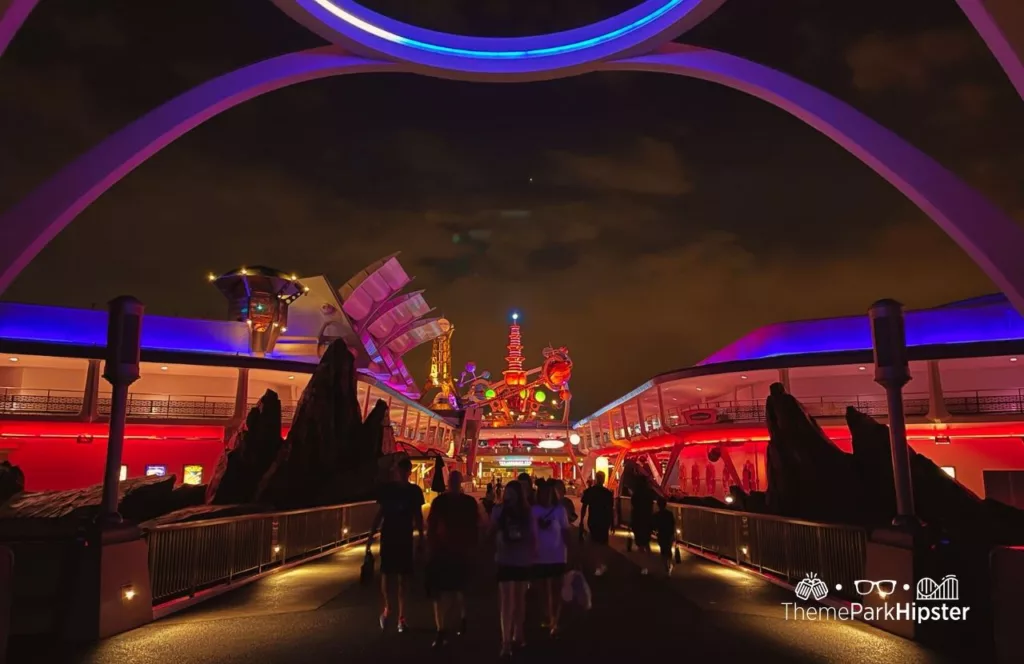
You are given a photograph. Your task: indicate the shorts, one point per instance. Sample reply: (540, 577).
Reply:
(549, 571)
(515, 573)
(599, 535)
(397, 558)
(447, 575)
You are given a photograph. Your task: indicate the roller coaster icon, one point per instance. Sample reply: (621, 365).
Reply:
(938, 591)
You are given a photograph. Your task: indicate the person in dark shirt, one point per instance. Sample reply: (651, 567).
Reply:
(642, 520)
(665, 526)
(400, 510)
(453, 532)
(600, 503)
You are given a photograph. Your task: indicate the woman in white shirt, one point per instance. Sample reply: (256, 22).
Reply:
(552, 539)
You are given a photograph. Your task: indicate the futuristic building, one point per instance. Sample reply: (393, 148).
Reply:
(200, 377)
(702, 429)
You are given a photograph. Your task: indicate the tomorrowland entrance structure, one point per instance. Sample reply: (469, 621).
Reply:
(641, 39)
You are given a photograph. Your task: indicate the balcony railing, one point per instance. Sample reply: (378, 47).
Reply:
(185, 558)
(174, 407)
(789, 549)
(19, 401)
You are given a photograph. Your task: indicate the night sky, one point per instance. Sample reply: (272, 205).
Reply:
(641, 220)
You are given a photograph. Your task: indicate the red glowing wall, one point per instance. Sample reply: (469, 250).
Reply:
(59, 455)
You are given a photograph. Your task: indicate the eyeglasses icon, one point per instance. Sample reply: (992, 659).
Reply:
(864, 587)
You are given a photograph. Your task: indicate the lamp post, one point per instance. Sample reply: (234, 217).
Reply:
(892, 371)
(121, 369)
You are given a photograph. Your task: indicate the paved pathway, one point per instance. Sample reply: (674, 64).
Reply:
(319, 613)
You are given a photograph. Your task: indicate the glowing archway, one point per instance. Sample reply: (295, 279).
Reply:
(988, 235)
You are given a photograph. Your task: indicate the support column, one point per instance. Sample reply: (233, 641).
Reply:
(241, 396)
(366, 401)
(611, 428)
(625, 423)
(640, 415)
(673, 461)
(892, 371)
(937, 411)
(784, 379)
(405, 418)
(91, 397)
(662, 422)
(416, 427)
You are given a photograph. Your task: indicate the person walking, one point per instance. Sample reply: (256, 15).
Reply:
(552, 541)
(665, 525)
(453, 533)
(600, 503)
(488, 500)
(400, 510)
(515, 532)
(642, 520)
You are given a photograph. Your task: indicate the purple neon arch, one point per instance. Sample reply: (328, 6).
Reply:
(360, 30)
(988, 235)
(12, 14)
(1001, 24)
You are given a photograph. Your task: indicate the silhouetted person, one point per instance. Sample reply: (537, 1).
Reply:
(401, 509)
(600, 503)
(453, 532)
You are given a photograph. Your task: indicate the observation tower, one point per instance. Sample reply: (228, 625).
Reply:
(259, 296)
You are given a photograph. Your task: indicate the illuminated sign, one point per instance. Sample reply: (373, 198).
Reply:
(515, 462)
(193, 475)
(157, 471)
(700, 416)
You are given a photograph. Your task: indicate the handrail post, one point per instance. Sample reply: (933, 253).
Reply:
(231, 551)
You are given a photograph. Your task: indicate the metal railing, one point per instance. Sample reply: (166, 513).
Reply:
(16, 400)
(174, 407)
(185, 558)
(789, 549)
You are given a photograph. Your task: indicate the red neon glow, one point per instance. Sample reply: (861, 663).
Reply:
(71, 455)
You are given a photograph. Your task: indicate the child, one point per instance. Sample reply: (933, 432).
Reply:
(665, 524)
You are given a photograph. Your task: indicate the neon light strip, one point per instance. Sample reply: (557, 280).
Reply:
(367, 27)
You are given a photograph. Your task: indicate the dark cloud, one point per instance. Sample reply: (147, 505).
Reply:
(640, 220)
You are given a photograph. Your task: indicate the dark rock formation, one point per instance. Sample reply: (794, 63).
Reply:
(141, 497)
(331, 456)
(940, 501)
(249, 456)
(12, 481)
(808, 476)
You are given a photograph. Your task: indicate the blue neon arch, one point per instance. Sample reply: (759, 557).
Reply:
(364, 32)
(611, 35)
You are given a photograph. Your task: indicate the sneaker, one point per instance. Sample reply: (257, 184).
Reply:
(462, 626)
(440, 641)
(402, 625)
(643, 571)
(383, 620)
(601, 569)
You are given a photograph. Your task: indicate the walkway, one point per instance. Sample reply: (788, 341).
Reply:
(319, 613)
